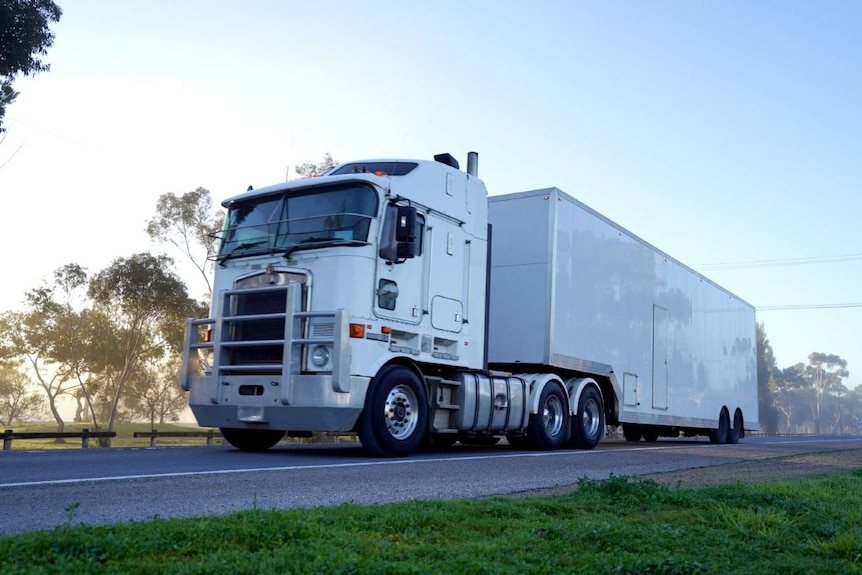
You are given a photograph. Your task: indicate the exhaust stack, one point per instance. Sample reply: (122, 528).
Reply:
(473, 164)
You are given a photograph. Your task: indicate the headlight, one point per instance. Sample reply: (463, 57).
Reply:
(320, 356)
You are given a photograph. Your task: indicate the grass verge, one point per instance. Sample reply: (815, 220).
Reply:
(617, 526)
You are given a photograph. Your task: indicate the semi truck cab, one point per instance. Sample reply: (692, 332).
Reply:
(322, 284)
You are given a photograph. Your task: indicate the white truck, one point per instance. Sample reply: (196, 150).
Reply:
(395, 299)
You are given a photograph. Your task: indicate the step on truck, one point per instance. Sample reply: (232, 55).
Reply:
(397, 300)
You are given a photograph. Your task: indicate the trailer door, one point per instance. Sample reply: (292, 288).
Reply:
(659, 358)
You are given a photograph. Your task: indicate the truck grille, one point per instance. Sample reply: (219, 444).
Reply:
(259, 330)
(256, 304)
(263, 331)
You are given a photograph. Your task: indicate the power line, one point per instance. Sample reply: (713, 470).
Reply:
(778, 262)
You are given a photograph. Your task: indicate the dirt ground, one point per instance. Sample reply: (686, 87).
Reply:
(810, 465)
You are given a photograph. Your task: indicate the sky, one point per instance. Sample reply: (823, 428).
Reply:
(726, 133)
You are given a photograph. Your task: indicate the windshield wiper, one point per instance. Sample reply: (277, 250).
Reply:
(244, 245)
(315, 242)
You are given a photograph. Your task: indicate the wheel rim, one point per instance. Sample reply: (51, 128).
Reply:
(400, 412)
(590, 418)
(552, 416)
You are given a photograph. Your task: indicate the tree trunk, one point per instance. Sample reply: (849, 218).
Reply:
(61, 425)
(787, 416)
(817, 401)
(79, 410)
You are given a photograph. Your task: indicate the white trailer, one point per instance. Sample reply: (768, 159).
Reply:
(368, 301)
(674, 352)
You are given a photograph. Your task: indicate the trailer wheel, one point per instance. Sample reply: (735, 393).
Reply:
(589, 420)
(735, 432)
(547, 428)
(393, 422)
(632, 432)
(718, 436)
(251, 439)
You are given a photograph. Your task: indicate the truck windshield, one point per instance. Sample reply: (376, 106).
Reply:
(300, 219)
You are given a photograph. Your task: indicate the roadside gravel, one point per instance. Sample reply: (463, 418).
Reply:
(811, 465)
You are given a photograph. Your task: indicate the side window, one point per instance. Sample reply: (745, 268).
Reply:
(390, 249)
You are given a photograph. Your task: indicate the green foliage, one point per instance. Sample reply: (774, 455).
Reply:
(311, 169)
(188, 223)
(668, 567)
(17, 400)
(92, 337)
(25, 35)
(619, 526)
(71, 512)
(766, 368)
(810, 395)
(7, 98)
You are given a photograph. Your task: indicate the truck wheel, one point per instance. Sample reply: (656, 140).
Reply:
(718, 436)
(632, 432)
(589, 420)
(735, 432)
(394, 419)
(547, 428)
(251, 439)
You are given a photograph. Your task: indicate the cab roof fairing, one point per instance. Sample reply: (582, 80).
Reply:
(422, 171)
(303, 184)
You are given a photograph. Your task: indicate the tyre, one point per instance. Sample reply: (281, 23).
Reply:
(395, 416)
(589, 420)
(632, 432)
(735, 432)
(650, 435)
(547, 428)
(718, 436)
(251, 439)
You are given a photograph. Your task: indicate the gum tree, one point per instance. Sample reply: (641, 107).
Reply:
(146, 305)
(25, 36)
(190, 224)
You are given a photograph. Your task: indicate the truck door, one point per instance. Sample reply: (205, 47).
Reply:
(399, 282)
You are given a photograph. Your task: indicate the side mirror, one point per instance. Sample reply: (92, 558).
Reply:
(401, 239)
(407, 225)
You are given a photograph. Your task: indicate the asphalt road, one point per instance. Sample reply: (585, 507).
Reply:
(45, 489)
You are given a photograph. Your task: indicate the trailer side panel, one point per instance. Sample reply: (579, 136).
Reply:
(572, 290)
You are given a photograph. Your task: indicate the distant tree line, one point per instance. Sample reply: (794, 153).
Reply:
(806, 397)
(111, 342)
